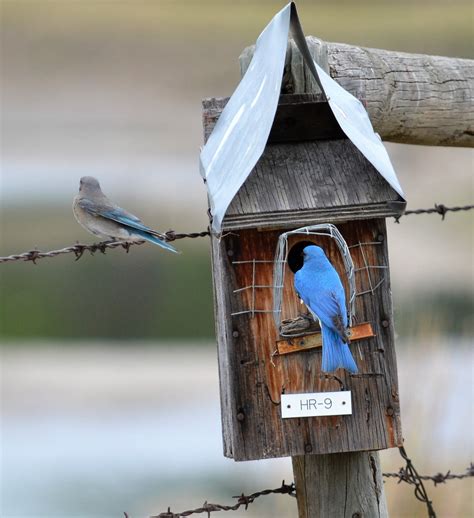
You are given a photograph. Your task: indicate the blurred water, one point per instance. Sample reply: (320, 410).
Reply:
(96, 430)
(93, 431)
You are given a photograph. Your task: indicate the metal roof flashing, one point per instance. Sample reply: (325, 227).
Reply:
(256, 115)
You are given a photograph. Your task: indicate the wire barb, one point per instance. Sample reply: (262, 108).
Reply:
(438, 478)
(78, 249)
(242, 501)
(412, 477)
(438, 208)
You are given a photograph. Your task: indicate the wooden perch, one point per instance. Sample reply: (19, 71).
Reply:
(305, 339)
(410, 98)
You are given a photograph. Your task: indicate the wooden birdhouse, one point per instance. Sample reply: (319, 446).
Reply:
(312, 183)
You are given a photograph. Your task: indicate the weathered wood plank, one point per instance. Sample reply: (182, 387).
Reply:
(311, 341)
(327, 174)
(345, 485)
(410, 98)
(293, 219)
(224, 335)
(252, 378)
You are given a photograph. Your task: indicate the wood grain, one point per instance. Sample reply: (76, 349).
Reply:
(410, 98)
(341, 485)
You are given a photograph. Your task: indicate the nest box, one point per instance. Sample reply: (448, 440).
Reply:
(313, 182)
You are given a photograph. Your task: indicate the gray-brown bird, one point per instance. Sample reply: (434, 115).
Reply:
(98, 215)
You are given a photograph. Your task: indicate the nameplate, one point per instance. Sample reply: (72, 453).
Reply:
(316, 404)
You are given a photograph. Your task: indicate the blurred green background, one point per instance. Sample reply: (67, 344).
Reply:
(105, 360)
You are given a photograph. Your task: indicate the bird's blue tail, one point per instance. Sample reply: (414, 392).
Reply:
(336, 353)
(155, 240)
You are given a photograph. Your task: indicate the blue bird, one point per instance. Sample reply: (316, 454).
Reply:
(98, 215)
(319, 286)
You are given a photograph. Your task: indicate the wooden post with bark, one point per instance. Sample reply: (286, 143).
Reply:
(410, 98)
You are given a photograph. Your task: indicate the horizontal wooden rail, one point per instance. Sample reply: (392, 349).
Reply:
(410, 98)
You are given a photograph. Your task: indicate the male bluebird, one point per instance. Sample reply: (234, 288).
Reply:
(319, 286)
(98, 215)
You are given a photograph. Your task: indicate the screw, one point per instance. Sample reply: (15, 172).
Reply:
(235, 334)
(390, 411)
(230, 253)
(380, 237)
(385, 323)
(308, 448)
(240, 416)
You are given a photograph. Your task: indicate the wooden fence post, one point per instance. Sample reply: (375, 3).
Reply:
(343, 485)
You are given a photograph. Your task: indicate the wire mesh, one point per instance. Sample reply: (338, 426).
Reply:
(373, 286)
(281, 256)
(281, 259)
(254, 285)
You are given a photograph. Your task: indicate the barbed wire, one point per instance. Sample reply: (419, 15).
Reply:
(78, 249)
(407, 474)
(440, 209)
(243, 500)
(438, 478)
(412, 477)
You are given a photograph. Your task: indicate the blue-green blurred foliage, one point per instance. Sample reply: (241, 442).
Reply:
(139, 295)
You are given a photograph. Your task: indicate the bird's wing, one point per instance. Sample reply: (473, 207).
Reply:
(117, 214)
(325, 303)
(340, 319)
(328, 308)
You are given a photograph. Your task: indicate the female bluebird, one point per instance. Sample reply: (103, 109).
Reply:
(319, 286)
(98, 215)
